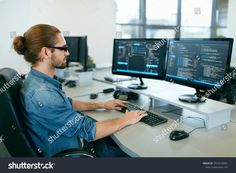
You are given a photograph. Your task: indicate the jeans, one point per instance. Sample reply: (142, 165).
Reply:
(104, 147)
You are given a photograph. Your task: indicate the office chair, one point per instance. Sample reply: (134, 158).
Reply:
(16, 138)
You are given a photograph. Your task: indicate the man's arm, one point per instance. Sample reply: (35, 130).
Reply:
(83, 106)
(108, 127)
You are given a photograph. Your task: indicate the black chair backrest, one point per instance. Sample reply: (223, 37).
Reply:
(16, 138)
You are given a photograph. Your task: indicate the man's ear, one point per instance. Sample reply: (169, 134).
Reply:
(44, 53)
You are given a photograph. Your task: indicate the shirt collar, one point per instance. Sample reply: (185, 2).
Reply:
(45, 77)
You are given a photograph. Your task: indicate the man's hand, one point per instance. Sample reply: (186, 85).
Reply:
(132, 117)
(108, 127)
(114, 104)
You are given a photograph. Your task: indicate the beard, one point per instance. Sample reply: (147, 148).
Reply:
(57, 63)
(61, 66)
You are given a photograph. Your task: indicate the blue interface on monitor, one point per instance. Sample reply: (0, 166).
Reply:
(139, 57)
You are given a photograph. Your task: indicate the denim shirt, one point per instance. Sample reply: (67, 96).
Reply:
(50, 119)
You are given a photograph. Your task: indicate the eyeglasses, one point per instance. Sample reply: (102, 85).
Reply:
(64, 48)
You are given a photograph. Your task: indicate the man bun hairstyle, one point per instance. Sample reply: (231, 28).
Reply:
(19, 45)
(36, 37)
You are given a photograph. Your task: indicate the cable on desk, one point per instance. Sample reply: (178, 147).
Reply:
(197, 127)
(80, 95)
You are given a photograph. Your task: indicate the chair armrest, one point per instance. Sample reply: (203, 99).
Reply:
(75, 152)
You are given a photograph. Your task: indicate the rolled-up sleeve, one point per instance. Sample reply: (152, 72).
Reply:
(56, 113)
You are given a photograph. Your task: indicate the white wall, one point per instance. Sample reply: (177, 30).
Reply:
(93, 18)
(232, 27)
(12, 22)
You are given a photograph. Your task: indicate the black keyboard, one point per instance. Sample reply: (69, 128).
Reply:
(151, 118)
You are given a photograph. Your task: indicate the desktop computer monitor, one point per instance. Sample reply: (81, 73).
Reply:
(78, 49)
(143, 58)
(198, 63)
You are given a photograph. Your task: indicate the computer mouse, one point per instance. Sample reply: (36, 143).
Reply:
(176, 135)
(71, 85)
(123, 108)
(69, 81)
(93, 96)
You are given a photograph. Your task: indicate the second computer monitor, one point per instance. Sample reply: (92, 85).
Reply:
(139, 58)
(199, 63)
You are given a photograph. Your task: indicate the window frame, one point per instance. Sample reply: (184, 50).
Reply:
(143, 26)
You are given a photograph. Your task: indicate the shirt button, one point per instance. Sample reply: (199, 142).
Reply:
(40, 104)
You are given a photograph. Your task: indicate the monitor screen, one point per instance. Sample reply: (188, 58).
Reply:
(78, 50)
(139, 57)
(198, 63)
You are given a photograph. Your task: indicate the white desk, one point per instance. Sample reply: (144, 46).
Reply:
(137, 140)
(214, 112)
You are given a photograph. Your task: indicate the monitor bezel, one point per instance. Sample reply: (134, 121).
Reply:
(161, 70)
(192, 83)
(82, 55)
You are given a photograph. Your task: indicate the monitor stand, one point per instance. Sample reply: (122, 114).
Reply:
(193, 98)
(138, 86)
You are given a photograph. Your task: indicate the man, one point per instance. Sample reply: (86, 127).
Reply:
(51, 118)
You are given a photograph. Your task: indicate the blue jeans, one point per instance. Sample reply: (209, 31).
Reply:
(105, 147)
